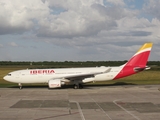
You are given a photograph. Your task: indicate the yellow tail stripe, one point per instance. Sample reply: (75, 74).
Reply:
(145, 46)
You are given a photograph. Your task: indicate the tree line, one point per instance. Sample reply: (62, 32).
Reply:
(72, 63)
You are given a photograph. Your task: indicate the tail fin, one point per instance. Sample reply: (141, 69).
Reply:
(137, 63)
(141, 57)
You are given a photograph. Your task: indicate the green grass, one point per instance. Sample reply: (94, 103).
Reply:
(142, 78)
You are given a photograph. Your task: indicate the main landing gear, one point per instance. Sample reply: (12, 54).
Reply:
(78, 86)
(20, 86)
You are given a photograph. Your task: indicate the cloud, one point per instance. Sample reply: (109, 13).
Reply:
(1, 45)
(79, 19)
(151, 7)
(18, 16)
(13, 44)
(116, 2)
(85, 28)
(83, 20)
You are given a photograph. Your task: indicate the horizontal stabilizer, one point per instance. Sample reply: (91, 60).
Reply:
(138, 69)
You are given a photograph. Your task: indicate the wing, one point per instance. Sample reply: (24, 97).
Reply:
(82, 76)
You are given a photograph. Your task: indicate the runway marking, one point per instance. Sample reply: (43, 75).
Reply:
(80, 110)
(102, 109)
(99, 107)
(115, 102)
(54, 116)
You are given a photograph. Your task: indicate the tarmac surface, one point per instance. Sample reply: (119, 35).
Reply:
(127, 102)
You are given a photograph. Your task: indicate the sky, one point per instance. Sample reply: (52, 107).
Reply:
(78, 30)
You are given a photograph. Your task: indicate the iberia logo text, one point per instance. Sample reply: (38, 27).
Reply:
(41, 71)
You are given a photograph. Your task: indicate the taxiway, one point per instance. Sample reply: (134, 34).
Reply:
(128, 102)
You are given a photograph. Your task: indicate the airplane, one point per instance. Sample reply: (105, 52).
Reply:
(55, 78)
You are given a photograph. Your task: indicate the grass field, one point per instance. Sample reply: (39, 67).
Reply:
(144, 78)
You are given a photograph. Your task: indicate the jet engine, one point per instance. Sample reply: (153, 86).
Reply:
(55, 83)
(88, 80)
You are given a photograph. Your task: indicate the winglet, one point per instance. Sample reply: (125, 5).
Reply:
(108, 70)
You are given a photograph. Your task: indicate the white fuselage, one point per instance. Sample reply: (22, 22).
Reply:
(44, 75)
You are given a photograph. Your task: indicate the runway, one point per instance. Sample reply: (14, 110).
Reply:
(127, 102)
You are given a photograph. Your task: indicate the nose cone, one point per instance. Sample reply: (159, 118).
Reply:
(5, 78)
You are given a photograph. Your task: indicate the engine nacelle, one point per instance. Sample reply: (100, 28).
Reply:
(55, 83)
(88, 80)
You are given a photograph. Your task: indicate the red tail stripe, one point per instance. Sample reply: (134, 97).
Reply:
(139, 60)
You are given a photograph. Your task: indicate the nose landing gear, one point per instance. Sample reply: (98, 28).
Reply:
(20, 86)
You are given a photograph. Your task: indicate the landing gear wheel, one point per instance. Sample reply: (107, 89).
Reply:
(20, 86)
(76, 86)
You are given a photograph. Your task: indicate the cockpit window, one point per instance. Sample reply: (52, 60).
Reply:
(9, 75)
